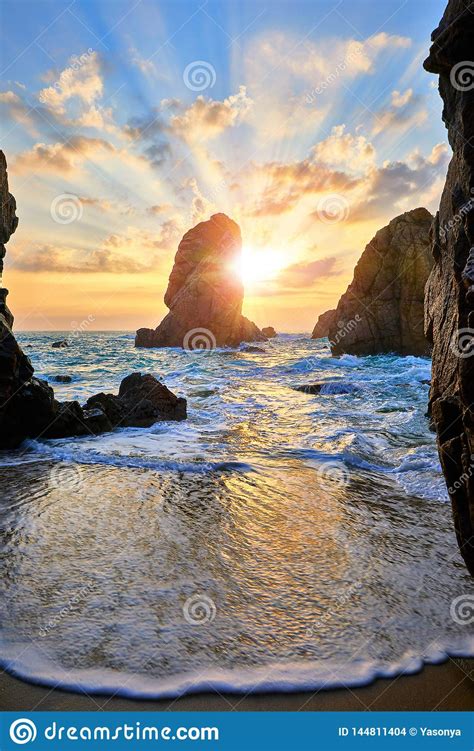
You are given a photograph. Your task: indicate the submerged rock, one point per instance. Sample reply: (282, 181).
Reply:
(60, 345)
(328, 387)
(323, 323)
(382, 310)
(449, 312)
(269, 332)
(62, 379)
(250, 349)
(204, 293)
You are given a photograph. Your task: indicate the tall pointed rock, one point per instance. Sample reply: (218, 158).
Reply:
(204, 294)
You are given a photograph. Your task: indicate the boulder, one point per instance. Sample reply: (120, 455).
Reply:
(146, 401)
(60, 345)
(63, 379)
(323, 323)
(382, 309)
(269, 332)
(449, 310)
(204, 293)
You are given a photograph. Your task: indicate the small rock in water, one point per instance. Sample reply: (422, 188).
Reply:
(257, 350)
(60, 345)
(62, 379)
(330, 387)
(312, 388)
(269, 332)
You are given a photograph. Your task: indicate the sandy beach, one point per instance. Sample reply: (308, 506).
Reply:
(447, 687)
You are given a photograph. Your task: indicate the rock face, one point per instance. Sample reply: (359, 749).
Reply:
(8, 218)
(323, 324)
(204, 293)
(382, 310)
(450, 290)
(269, 332)
(28, 408)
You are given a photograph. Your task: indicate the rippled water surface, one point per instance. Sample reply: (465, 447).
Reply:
(275, 539)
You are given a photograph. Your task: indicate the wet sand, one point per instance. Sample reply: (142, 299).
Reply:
(447, 687)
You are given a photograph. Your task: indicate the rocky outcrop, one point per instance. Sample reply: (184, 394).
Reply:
(450, 289)
(8, 218)
(269, 332)
(28, 408)
(323, 324)
(382, 310)
(204, 293)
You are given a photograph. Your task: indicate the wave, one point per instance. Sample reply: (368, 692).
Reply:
(78, 456)
(27, 663)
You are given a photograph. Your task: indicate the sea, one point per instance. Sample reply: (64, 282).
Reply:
(276, 540)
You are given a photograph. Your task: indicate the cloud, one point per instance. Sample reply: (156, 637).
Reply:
(406, 111)
(286, 184)
(305, 274)
(158, 208)
(207, 118)
(147, 67)
(104, 204)
(355, 152)
(134, 251)
(400, 185)
(61, 157)
(82, 80)
(50, 258)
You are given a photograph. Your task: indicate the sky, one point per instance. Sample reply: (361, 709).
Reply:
(126, 122)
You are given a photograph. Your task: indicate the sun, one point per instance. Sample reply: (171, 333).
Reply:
(258, 265)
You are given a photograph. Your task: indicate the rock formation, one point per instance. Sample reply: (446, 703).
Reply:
(269, 332)
(382, 310)
(450, 290)
(204, 293)
(28, 408)
(323, 323)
